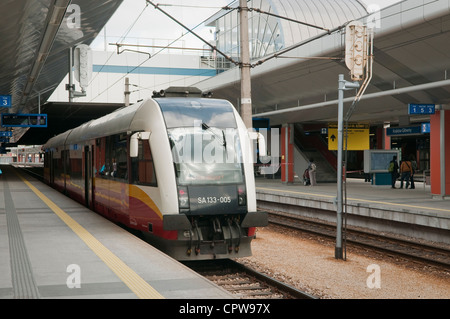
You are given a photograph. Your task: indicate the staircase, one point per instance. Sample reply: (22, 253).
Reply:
(313, 146)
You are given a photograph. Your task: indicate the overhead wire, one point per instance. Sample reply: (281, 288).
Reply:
(161, 50)
(112, 53)
(125, 35)
(156, 6)
(187, 6)
(184, 34)
(190, 30)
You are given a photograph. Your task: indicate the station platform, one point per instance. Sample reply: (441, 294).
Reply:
(409, 212)
(53, 247)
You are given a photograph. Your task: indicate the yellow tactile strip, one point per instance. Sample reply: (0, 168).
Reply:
(138, 285)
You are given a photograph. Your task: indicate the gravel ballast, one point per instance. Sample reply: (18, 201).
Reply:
(308, 263)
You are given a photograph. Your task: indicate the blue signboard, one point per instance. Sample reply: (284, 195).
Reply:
(410, 130)
(5, 101)
(426, 128)
(421, 109)
(5, 133)
(24, 120)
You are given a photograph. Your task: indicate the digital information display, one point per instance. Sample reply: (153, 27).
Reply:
(24, 120)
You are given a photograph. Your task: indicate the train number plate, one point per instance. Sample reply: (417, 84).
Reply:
(214, 200)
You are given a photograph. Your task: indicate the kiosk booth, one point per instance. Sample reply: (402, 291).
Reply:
(376, 163)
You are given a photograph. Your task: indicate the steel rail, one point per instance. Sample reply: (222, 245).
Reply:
(430, 254)
(248, 282)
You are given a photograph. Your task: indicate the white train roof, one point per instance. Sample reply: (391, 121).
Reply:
(116, 122)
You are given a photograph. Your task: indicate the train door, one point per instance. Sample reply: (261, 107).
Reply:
(51, 168)
(88, 161)
(66, 165)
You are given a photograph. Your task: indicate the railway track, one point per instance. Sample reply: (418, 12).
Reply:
(244, 282)
(417, 251)
(34, 171)
(241, 281)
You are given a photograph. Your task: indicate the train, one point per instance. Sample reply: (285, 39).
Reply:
(177, 168)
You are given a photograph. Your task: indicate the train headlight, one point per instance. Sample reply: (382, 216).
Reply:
(183, 197)
(242, 195)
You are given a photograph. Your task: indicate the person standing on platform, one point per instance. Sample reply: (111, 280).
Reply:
(393, 169)
(312, 172)
(405, 171)
(413, 169)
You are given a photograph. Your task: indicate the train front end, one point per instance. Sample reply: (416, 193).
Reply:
(212, 159)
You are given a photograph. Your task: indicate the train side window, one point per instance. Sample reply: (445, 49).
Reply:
(115, 165)
(100, 157)
(58, 166)
(143, 166)
(74, 165)
(119, 159)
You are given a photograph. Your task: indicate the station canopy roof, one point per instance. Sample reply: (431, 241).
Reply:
(411, 64)
(36, 37)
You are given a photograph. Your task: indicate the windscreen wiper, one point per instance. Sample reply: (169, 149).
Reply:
(222, 138)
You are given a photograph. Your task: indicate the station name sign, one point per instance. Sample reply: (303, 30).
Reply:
(421, 109)
(24, 120)
(409, 130)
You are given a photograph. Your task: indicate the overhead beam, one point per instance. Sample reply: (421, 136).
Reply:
(408, 89)
(54, 19)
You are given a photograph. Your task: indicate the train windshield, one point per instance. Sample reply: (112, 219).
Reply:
(206, 155)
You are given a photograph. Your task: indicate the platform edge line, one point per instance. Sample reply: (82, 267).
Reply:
(136, 283)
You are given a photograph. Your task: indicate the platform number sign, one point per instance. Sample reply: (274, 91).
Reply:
(5, 134)
(421, 109)
(5, 101)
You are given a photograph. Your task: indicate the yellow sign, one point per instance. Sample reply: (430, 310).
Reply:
(358, 137)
